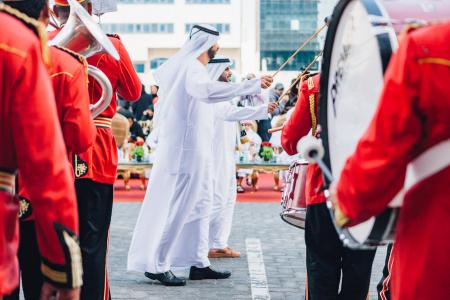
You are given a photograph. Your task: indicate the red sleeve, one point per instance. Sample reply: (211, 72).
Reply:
(78, 127)
(380, 159)
(299, 123)
(40, 151)
(129, 85)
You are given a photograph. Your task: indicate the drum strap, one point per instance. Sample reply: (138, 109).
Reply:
(432, 161)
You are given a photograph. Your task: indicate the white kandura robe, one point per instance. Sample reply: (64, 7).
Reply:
(225, 138)
(173, 224)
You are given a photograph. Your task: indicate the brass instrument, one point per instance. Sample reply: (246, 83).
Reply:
(82, 35)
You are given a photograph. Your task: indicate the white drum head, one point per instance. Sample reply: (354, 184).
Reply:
(355, 83)
(361, 232)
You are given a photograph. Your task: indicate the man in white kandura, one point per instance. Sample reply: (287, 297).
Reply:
(226, 135)
(173, 224)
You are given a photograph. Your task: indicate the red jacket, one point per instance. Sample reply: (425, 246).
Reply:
(32, 142)
(70, 86)
(413, 115)
(298, 126)
(99, 163)
(102, 158)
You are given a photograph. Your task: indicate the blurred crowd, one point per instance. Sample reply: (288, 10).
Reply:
(133, 125)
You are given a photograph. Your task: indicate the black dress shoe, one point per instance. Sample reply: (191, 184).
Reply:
(207, 273)
(166, 278)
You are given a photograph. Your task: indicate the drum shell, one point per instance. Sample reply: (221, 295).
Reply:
(293, 200)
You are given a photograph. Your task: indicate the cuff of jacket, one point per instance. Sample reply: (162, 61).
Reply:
(70, 274)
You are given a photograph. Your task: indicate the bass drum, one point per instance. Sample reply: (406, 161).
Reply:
(293, 200)
(360, 40)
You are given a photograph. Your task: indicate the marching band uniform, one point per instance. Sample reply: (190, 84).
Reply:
(326, 257)
(68, 73)
(225, 136)
(413, 119)
(33, 144)
(95, 169)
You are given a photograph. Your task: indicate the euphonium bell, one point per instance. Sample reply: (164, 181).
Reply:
(82, 35)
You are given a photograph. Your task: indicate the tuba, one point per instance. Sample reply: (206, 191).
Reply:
(82, 35)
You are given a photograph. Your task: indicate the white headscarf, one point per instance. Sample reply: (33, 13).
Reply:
(216, 67)
(170, 76)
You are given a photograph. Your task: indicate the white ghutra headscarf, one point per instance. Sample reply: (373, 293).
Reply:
(216, 67)
(171, 76)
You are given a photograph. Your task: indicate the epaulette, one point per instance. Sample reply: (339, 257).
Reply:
(76, 55)
(310, 83)
(36, 26)
(407, 29)
(114, 35)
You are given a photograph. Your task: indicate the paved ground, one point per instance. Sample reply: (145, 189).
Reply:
(283, 252)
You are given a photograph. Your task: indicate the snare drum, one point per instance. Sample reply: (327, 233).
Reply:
(360, 40)
(293, 199)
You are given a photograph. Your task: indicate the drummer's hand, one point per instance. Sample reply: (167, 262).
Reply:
(340, 217)
(50, 292)
(266, 81)
(271, 107)
(285, 98)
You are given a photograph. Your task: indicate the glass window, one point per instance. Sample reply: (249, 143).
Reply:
(139, 67)
(284, 25)
(156, 62)
(223, 28)
(146, 1)
(207, 1)
(138, 27)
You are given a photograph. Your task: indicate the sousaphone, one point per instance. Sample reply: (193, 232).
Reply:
(83, 35)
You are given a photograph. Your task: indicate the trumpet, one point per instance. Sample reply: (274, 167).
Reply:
(82, 35)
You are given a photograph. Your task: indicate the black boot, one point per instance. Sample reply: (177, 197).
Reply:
(166, 278)
(207, 273)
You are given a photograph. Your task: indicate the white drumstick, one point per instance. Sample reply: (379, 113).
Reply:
(311, 149)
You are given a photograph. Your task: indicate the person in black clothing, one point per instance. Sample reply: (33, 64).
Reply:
(140, 108)
(136, 132)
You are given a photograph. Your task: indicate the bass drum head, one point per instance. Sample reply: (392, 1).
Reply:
(356, 55)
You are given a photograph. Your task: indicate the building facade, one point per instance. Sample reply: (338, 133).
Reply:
(153, 30)
(258, 35)
(284, 26)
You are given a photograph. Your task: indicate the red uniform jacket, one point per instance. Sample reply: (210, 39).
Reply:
(101, 159)
(68, 73)
(413, 115)
(301, 122)
(31, 141)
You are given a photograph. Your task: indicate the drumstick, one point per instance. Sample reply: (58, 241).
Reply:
(275, 129)
(52, 19)
(299, 77)
(315, 34)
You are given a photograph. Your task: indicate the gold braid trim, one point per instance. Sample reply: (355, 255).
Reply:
(312, 110)
(13, 50)
(56, 276)
(310, 83)
(408, 29)
(33, 24)
(81, 58)
(434, 60)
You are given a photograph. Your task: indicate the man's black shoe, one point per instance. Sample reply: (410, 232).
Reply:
(166, 278)
(207, 273)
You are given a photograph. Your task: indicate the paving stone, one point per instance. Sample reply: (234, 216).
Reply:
(283, 252)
